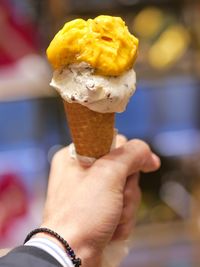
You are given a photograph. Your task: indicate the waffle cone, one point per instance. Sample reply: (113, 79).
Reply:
(92, 132)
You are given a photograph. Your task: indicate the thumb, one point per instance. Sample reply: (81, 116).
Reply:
(132, 157)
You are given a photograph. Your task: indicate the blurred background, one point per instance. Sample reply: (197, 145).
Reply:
(164, 111)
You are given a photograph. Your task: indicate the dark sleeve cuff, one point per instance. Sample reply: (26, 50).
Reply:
(27, 256)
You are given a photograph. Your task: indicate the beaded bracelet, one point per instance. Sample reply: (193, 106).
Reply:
(68, 249)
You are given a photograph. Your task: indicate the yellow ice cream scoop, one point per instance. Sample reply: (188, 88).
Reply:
(104, 42)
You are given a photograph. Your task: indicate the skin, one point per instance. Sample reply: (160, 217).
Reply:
(92, 206)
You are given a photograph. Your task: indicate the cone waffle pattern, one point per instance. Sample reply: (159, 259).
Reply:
(92, 132)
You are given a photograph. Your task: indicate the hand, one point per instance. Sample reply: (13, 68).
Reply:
(90, 206)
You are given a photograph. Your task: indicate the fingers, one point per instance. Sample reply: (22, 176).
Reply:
(132, 197)
(132, 192)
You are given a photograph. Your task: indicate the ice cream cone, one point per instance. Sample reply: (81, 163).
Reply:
(92, 132)
(93, 73)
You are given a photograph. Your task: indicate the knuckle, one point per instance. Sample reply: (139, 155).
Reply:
(139, 144)
(145, 148)
(55, 157)
(58, 156)
(144, 152)
(126, 231)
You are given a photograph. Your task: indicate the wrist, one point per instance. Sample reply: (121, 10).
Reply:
(90, 256)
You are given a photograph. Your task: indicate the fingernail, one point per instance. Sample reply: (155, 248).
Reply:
(156, 159)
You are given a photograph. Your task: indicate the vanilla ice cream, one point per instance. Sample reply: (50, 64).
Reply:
(77, 83)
